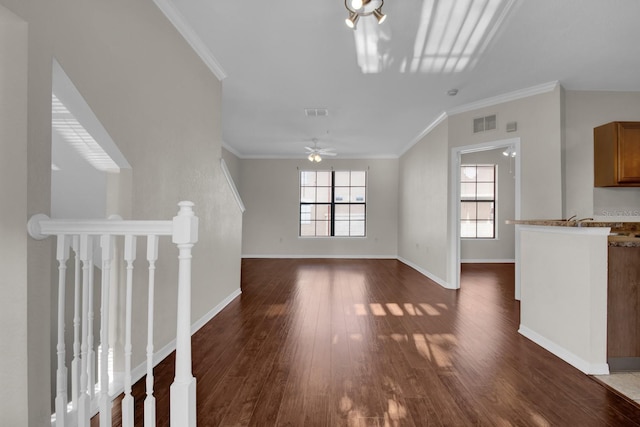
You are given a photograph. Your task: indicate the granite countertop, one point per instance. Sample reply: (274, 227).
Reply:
(623, 233)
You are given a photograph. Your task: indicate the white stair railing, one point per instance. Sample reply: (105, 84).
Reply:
(79, 235)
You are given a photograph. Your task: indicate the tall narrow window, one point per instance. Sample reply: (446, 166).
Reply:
(333, 203)
(477, 201)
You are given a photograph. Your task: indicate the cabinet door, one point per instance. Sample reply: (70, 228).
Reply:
(629, 153)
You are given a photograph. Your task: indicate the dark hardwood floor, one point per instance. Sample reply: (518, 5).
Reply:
(375, 343)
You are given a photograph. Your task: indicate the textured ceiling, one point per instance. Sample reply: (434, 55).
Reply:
(384, 85)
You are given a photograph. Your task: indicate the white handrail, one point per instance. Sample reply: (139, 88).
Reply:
(80, 235)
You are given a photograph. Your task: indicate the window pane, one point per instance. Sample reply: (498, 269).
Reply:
(468, 210)
(485, 173)
(357, 194)
(305, 214)
(342, 179)
(307, 194)
(485, 191)
(468, 229)
(485, 229)
(323, 212)
(468, 190)
(467, 173)
(342, 194)
(341, 228)
(342, 212)
(357, 228)
(324, 179)
(308, 178)
(358, 178)
(308, 229)
(485, 210)
(323, 194)
(322, 228)
(357, 212)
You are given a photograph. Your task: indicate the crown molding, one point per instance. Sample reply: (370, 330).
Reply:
(506, 97)
(232, 150)
(196, 43)
(424, 133)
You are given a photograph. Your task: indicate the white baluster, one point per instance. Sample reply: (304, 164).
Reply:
(150, 400)
(62, 254)
(183, 389)
(106, 242)
(91, 358)
(127, 401)
(75, 363)
(86, 255)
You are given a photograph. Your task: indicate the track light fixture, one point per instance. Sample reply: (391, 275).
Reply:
(358, 8)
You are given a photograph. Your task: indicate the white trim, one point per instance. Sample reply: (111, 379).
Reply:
(232, 185)
(231, 150)
(506, 97)
(194, 40)
(424, 133)
(453, 260)
(324, 159)
(426, 273)
(564, 354)
(488, 261)
(324, 256)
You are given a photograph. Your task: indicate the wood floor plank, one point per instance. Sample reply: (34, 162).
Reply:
(336, 342)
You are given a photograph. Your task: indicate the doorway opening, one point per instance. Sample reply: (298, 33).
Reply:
(457, 153)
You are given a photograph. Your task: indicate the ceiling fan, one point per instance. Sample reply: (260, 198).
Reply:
(315, 153)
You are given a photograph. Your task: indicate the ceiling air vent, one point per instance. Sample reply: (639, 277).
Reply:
(482, 124)
(316, 112)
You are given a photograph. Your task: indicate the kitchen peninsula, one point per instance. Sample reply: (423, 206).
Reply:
(562, 272)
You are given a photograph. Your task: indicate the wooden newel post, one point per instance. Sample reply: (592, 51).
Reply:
(183, 389)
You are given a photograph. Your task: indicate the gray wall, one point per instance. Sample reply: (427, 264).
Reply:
(269, 190)
(161, 106)
(584, 111)
(423, 204)
(14, 356)
(503, 247)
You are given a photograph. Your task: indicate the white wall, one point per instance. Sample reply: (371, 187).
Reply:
(269, 190)
(540, 132)
(423, 239)
(14, 358)
(162, 107)
(585, 110)
(564, 293)
(503, 247)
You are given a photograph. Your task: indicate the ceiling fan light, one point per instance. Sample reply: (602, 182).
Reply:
(317, 158)
(352, 19)
(379, 15)
(310, 157)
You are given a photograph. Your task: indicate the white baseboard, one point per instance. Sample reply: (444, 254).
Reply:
(141, 370)
(488, 261)
(426, 273)
(564, 354)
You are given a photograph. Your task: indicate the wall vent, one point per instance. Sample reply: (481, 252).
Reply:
(316, 112)
(482, 124)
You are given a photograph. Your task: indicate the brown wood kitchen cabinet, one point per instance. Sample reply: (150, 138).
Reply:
(616, 154)
(623, 308)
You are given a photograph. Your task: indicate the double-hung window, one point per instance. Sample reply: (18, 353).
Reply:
(333, 203)
(477, 201)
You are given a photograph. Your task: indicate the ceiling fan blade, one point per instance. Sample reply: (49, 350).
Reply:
(328, 153)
